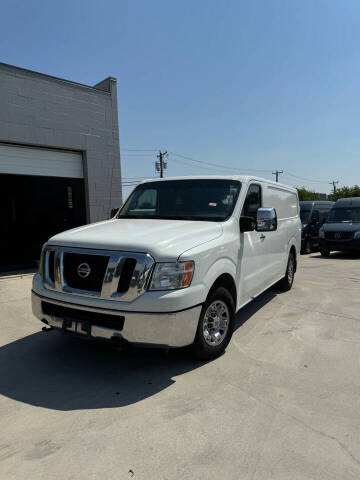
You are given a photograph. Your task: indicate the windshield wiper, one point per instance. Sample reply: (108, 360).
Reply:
(178, 217)
(160, 217)
(171, 217)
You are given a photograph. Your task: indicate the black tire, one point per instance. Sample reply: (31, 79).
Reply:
(287, 281)
(201, 347)
(325, 252)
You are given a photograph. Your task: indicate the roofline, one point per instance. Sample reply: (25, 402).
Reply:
(245, 178)
(355, 200)
(59, 79)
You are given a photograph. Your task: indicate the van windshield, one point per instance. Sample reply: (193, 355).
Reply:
(207, 200)
(344, 215)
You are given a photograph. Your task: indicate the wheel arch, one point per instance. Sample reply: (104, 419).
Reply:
(225, 280)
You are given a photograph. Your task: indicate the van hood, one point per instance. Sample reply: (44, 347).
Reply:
(341, 227)
(165, 240)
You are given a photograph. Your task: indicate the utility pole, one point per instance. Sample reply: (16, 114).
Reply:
(276, 173)
(333, 183)
(161, 165)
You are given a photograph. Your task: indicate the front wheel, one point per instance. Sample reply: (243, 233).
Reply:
(287, 281)
(216, 325)
(325, 252)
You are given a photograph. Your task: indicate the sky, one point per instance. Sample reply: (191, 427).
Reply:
(250, 86)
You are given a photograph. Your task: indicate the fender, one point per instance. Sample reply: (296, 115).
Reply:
(219, 267)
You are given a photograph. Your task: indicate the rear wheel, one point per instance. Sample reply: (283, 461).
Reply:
(216, 325)
(286, 283)
(325, 252)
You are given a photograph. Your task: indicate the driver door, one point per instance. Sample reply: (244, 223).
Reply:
(252, 253)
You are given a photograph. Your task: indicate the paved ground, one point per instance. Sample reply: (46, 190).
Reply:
(282, 403)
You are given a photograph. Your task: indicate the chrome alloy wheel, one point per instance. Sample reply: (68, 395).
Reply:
(216, 323)
(291, 270)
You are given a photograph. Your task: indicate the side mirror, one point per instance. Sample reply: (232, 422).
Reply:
(266, 220)
(247, 224)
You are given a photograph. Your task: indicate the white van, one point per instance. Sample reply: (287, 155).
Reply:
(174, 265)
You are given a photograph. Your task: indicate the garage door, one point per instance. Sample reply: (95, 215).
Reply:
(40, 161)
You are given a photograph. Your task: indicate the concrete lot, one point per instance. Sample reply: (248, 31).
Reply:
(282, 403)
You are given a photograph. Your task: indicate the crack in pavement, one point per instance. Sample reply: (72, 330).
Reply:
(343, 447)
(294, 305)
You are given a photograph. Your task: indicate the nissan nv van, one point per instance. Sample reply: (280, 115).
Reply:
(174, 265)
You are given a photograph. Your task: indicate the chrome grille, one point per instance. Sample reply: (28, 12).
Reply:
(121, 276)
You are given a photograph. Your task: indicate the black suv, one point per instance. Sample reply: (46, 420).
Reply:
(313, 214)
(342, 229)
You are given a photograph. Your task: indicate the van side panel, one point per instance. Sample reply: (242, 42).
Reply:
(284, 201)
(288, 233)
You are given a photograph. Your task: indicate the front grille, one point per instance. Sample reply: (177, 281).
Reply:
(93, 318)
(339, 235)
(97, 265)
(52, 265)
(111, 275)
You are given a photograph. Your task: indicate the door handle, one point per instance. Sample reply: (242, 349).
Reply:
(262, 236)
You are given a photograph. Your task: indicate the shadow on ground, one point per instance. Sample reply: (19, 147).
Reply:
(338, 256)
(61, 372)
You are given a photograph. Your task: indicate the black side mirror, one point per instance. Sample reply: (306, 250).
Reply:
(114, 211)
(247, 224)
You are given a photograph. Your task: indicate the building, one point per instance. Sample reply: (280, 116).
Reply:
(59, 159)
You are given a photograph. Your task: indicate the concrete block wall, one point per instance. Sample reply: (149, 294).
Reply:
(44, 111)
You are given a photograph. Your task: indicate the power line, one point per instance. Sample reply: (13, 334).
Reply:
(210, 166)
(303, 178)
(217, 165)
(209, 169)
(292, 179)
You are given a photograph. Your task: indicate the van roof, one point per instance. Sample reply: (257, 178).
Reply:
(348, 202)
(240, 178)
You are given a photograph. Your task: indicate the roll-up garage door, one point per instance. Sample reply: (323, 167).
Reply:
(42, 192)
(40, 161)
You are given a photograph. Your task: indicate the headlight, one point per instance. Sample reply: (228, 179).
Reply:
(171, 276)
(321, 233)
(357, 235)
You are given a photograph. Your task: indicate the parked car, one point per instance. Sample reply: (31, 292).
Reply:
(342, 229)
(175, 264)
(312, 214)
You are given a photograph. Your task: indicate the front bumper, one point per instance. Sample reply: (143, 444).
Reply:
(344, 245)
(169, 329)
